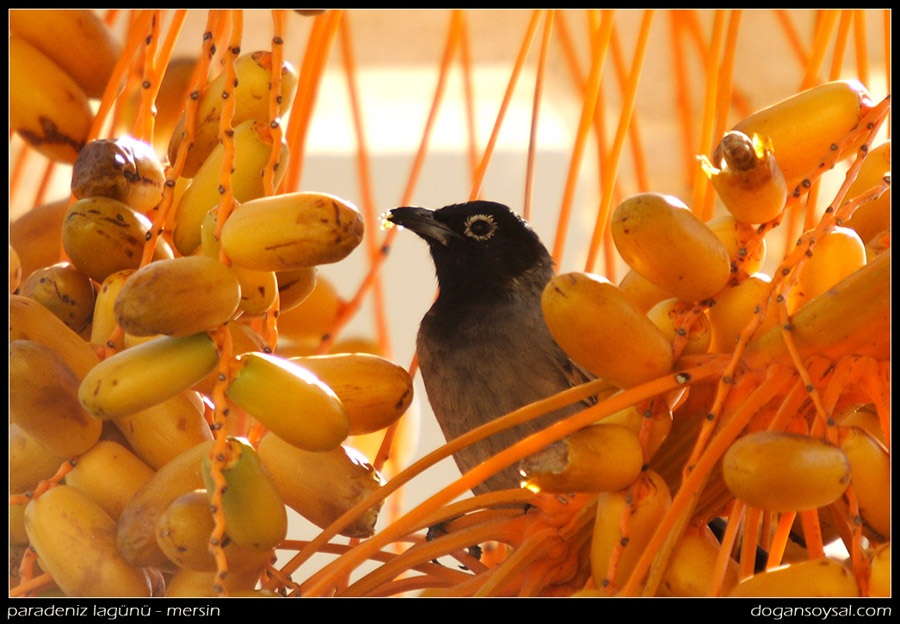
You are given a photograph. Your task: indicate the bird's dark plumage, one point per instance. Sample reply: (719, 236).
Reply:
(484, 349)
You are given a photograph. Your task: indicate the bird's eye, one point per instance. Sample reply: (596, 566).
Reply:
(480, 227)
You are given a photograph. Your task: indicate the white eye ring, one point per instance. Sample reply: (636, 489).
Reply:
(480, 218)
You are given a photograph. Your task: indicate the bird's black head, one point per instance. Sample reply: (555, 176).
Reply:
(477, 246)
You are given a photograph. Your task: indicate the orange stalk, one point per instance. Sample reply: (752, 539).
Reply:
(219, 454)
(110, 16)
(161, 64)
(465, 61)
(860, 40)
(44, 184)
(402, 525)
(535, 111)
(695, 479)
(858, 558)
(517, 564)
(843, 373)
(728, 541)
(226, 131)
(749, 542)
(498, 462)
(700, 182)
(812, 533)
(376, 257)
(321, 37)
(793, 38)
(18, 166)
(420, 554)
(64, 468)
(683, 101)
(825, 25)
(642, 182)
(507, 96)
(812, 201)
(599, 114)
(780, 538)
(724, 96)
(876, 382)
(629, 97)
(136, 34)
(275, 126)
(789, 408)
(165, 215)
(454, 35)
(28, 586)
(149, 85)
(600, 44)
(845, 21)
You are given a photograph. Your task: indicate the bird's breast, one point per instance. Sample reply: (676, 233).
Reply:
(486, 363)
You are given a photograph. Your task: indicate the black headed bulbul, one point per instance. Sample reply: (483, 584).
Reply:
(483, 347)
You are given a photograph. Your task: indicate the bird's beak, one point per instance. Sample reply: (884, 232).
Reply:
(422, 222)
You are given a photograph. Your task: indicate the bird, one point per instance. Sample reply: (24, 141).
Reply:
(483, 347)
